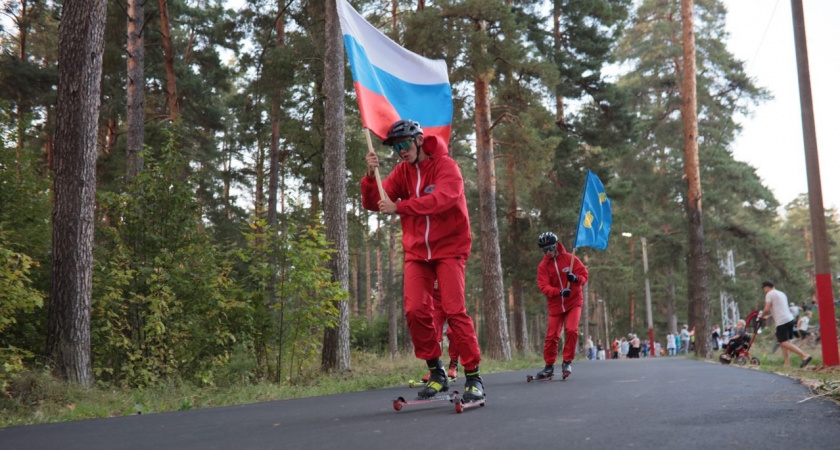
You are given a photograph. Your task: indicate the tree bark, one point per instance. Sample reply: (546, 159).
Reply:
(380, 293)
(392, 276)
(336, 350)
(497, 339)
(169, 62)
(276, 112)
(81, 46)
(135, 86)
(518, 326)
(697, 274)
(368, 308)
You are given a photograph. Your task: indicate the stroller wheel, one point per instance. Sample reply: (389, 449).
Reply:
(741, 360)
(724, 358)
(755, 361)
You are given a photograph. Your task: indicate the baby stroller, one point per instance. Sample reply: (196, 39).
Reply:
(738, 348)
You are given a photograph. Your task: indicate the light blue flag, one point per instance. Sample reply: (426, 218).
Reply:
(595, 215)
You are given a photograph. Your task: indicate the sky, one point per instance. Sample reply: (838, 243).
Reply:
(761, 35)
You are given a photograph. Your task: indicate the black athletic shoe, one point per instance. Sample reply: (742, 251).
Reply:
(437, 383)
(474, 388)
(546, 372)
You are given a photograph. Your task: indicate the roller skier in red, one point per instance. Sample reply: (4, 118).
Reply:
(560, 277)
(426, 189)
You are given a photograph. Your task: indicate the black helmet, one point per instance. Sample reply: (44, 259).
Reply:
(402, 129)
(546, 239)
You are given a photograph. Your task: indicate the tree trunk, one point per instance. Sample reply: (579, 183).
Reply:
(169, 60)
(517, 326)
(671, 304)
(336, 350)
(354, 285)
(558, 48)
(380, 293)
(367, 279)
(276, 112)
(81, 45)
(497, 344)
(135, 86)
(274, 164)
(392, 277)
(697, 277)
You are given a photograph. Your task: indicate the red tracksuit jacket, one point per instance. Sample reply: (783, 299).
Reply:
(432, 205)
(551, 279)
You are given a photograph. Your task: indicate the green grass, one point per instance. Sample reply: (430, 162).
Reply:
(37, 397)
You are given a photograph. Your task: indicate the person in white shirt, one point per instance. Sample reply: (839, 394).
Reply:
(794, 310)
(776, 305)
(671, 344)
(802, 325)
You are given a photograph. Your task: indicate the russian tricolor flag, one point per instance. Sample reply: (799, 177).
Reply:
(393, 83)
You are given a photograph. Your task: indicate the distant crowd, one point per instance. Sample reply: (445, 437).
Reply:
(683, 342)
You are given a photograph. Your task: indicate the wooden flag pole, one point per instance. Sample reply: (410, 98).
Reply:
(382, 194)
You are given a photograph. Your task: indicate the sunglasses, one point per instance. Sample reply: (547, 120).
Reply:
(550, 248)
(400, 146)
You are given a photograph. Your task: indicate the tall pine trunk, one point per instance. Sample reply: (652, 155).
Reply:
(169, 61)
(698, 309)
(135, 85)
(81, 45)
(393, 308)
(336, 350)
(497, 339)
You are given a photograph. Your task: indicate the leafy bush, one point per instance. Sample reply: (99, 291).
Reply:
(162, 303)
(369, 336)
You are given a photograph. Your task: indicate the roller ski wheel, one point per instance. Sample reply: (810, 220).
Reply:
(742, 360)
(566, 374)
(400, 402)
(461, 404)
(755, 361)
(531, 378)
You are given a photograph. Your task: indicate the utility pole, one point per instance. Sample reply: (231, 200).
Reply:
(825, 295)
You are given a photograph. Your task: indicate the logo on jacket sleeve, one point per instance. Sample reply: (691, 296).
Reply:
(429, 189)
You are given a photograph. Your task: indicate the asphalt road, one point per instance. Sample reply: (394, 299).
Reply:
(653, 403)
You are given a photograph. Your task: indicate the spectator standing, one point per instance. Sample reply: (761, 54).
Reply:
(716, 338)
(635, 346)
(671, 344)
(624, 348)
(685, 337)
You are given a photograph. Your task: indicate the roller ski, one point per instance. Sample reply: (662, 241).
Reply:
(547, 374)
(401, 402)
(432, 392)
(473, 393)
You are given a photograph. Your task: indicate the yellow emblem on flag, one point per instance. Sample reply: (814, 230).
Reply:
(587, 221)
(602, 197)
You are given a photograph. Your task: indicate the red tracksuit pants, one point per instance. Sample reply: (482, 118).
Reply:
(419, 282)
(439, 319)
(556, 323)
